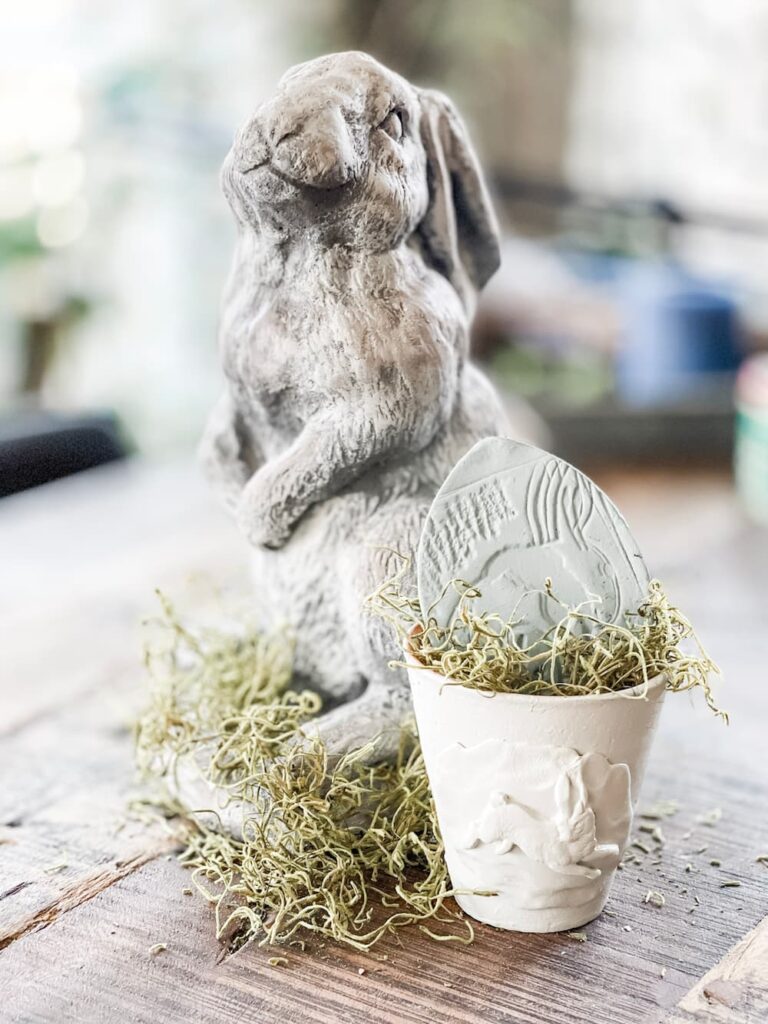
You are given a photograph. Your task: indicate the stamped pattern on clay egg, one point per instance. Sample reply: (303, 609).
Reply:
(508, 517)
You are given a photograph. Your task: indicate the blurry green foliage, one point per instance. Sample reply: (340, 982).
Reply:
(18, 240)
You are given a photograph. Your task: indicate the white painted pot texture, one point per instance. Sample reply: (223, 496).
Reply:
(534, 795)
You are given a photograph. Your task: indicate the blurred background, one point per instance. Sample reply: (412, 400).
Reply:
(626, 145)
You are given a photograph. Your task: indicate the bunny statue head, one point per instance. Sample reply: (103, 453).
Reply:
(347, 152)
(364, 233)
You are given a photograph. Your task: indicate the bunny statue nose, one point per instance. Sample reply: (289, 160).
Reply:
(318, 152)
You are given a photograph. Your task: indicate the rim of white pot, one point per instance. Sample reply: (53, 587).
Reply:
(640, 690)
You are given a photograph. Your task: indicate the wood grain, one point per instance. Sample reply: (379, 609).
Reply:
(736, 990)
(66, 834)
(77, 939)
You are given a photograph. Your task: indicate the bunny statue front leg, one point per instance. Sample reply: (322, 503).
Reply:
(224, 453)
(333, 449)
(265, 513)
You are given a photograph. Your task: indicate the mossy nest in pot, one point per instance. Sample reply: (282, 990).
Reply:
(342, 849)
(579, 656)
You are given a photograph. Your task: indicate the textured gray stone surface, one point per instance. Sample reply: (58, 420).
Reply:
(510, 516)
(365, 232)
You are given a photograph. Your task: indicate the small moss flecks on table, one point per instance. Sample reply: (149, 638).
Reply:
(654, 831)
(731, 883)
(656, 899)
(54, 869)
(660, 810)
(577, 936)
(710, 818)
(278, 961)
(159, 947)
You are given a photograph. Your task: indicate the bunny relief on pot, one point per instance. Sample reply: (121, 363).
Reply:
(364, 233)
(539, 825)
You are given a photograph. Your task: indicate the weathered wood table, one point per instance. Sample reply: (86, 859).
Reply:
(85, 893)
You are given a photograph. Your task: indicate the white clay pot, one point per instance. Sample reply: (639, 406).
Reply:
(534, 795)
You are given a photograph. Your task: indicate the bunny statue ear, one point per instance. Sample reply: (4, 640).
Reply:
(458, 236)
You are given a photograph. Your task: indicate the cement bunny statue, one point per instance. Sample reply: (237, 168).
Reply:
(364, 233)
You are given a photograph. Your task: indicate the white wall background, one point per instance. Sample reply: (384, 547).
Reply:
(158, 90)
(670, 98)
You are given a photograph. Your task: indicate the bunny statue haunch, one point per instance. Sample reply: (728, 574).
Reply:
(365, 231)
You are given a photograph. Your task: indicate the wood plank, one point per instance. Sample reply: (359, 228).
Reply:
(65, 834)
(74, 895)
(77, 582)
(55, 976)
(736, 990)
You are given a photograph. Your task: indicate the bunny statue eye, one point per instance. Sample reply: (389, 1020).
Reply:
(393, 125)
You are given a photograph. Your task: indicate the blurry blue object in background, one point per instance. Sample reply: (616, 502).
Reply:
(680, 335)
(598, 268)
